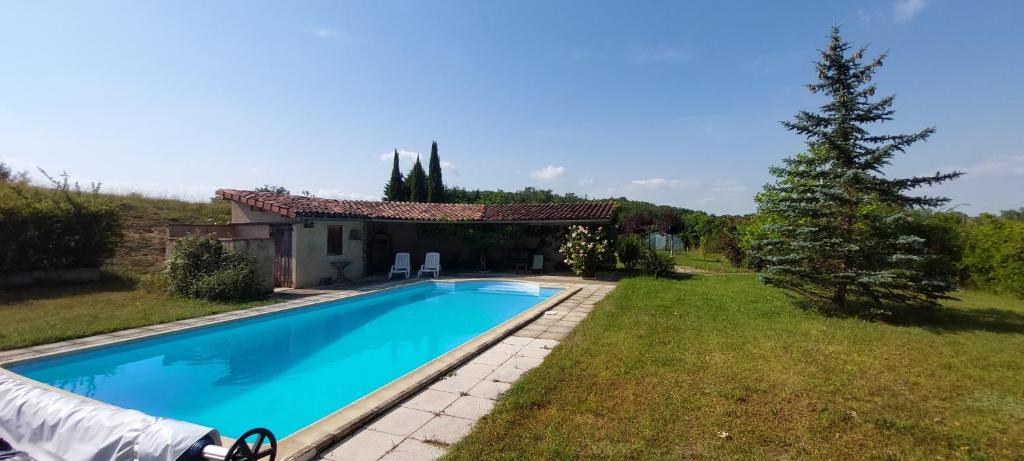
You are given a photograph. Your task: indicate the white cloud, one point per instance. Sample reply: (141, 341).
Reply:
(1012, 165)
(580, 55)
(652, 183)
(661, 53)
(905, 10)
(727, 186)
(548, 173)
(343, 195)
(326, 33)
(586, 182)
(448, 167)
(404, 156)
(662, 183)
(863, 14)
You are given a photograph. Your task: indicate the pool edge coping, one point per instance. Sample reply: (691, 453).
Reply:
(70, 346)
(308, 442)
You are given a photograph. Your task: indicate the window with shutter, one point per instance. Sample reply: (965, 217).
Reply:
(335, 239)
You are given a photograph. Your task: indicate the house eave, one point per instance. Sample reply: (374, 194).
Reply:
(531, 222)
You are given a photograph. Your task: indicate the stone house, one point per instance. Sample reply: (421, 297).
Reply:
(300, 241)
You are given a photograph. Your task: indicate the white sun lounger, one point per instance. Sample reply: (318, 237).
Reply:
(432, 264)
(401, 265)
(538, 264)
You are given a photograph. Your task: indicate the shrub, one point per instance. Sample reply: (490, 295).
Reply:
(201, 267)
(726, 242)
(586, 250)
(44, 229)
(943, 244)
(729, 245)
(993, 255)
(656, 263)
(756, 228)
(630, 249)
(236, 282)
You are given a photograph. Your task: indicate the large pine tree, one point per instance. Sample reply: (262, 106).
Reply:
(435, 185)
(840, 226)
(417, 183)
(395, 190)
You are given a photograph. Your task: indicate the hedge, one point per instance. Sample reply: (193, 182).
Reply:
(993, 255)
(51, 229)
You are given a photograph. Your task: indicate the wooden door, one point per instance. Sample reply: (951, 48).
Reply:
(283, 256)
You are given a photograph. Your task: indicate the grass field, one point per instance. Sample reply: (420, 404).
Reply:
(44, 314)
(725, 368)
(145, 221)
(53, 312)
(145, 228)
(709, 262)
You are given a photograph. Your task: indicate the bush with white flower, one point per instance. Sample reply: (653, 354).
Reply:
(586, 250)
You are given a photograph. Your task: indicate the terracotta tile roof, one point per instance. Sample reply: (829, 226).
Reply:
(295, 206)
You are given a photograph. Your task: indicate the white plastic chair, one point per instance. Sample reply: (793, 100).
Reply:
(538, 264)
(401, 265)
(432, 264)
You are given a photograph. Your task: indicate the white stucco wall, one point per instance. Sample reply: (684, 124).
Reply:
(311, 262)
(261, 252)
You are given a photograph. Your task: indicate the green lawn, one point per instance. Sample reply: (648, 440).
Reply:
(661, 368)
(705, 261)
(48, 313)
(145, 219)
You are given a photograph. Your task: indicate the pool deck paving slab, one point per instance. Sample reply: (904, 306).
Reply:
(452, 406)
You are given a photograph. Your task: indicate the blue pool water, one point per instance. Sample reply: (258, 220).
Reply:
(287, 370)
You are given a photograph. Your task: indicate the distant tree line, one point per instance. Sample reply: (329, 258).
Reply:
(984, 252)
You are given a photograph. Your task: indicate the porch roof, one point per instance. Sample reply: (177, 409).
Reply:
(296, 206)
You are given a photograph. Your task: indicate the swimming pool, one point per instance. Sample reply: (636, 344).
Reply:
(287, 370)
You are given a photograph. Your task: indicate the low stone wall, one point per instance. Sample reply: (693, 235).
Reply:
(243, 231)
(86, 274)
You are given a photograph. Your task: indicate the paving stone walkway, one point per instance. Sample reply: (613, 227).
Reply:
(425, 425)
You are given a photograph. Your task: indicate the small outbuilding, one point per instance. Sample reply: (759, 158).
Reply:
(300, 241)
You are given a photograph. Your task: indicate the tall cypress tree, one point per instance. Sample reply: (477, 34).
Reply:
(417, 183)
(395, 190)
(840, 227)
(435, 185)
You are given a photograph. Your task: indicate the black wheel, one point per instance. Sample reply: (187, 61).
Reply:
(243, 450)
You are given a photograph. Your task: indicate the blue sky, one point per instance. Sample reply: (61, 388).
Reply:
(670, 102)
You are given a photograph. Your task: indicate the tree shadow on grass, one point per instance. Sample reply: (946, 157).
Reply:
(622, 273)
(108, 282)
(946, 319)
(940, 319)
